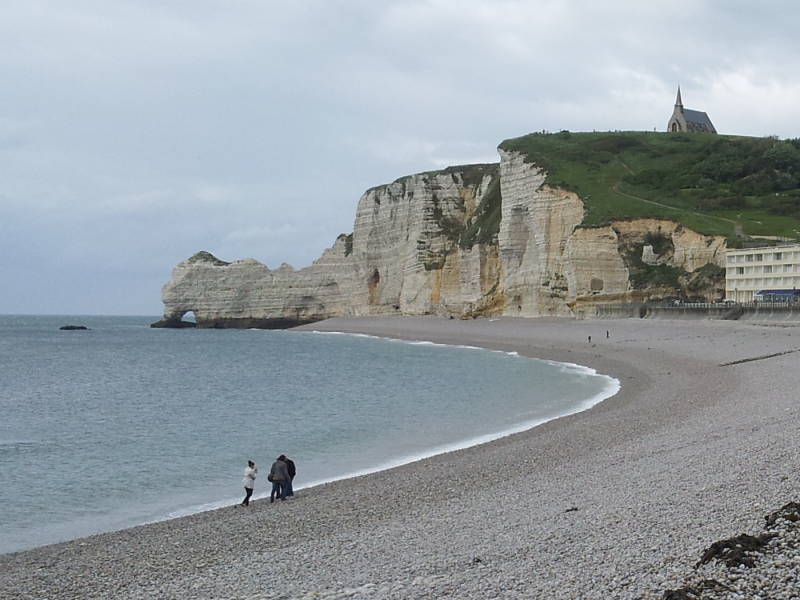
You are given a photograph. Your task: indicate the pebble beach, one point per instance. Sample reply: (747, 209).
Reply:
(619, 501)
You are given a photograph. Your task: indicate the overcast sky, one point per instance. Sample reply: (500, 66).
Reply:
(135, 133)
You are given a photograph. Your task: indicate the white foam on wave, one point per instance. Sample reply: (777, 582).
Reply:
(566, 367)
(417, 342)
(612, 387)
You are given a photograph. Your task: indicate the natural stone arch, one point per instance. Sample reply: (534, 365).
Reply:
(174, 320)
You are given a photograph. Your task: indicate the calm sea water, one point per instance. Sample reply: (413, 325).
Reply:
(124, 424)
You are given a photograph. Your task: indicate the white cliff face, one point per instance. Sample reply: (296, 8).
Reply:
(405, 256)
(536, 225)
(594, 265)
(426, 244)
(406, 248)
(248, 294)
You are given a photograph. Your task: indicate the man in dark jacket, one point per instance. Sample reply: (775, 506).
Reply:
(278, 475)
(292, 471)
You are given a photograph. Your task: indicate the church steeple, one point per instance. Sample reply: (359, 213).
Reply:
(688, 120)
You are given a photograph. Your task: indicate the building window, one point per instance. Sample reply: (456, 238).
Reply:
(748, 258)
(759, 257)
(767, 268)
(740, 270)
(778, 255)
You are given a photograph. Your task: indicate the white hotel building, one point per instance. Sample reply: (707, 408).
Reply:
(749, 271)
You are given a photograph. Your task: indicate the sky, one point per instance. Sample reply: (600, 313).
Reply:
(134, 133)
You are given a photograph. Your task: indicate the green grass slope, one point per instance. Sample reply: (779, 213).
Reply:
(714, 184)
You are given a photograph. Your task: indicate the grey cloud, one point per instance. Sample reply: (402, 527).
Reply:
(134, 133)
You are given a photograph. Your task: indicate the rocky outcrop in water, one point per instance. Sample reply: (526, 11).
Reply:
(475, 240)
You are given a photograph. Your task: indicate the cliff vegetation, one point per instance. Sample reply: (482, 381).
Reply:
(714, 184)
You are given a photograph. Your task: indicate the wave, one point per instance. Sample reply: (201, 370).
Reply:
(612, 388)
(419, 342)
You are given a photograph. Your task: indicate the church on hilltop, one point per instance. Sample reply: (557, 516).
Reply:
(685, 119)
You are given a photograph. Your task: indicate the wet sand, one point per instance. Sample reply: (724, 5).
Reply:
(614, 502)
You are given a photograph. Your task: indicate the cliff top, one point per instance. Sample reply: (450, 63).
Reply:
(471, 174)
(724, 185)
(207, 257)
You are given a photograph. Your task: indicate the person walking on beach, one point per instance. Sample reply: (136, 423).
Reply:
(250, 472)
(292, 470)
(278, 475)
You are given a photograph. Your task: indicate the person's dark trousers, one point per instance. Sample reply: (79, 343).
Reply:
(248, 492)
(288, 491)
(277, 490)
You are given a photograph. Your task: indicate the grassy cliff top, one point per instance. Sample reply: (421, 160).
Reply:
(471, 175)
(714, 184)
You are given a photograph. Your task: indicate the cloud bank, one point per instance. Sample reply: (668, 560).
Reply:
(135, 133)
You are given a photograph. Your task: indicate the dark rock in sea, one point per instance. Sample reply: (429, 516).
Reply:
(173, 324)
(239, 323)
(74, 328)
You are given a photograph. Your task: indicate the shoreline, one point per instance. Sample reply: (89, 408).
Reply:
(473, 441)
(687, 452)
(613, 387)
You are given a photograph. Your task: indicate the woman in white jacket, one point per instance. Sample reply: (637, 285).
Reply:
(249, 481)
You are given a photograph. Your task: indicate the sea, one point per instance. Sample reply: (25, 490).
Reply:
(123, 424)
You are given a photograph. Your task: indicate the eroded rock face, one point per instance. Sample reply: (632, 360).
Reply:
(431, 244)
(537, 223)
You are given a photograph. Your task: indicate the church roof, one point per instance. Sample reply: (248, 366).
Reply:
(697, 116)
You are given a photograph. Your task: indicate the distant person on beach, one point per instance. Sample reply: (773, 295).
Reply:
(278, 475)
(292, 470)
(590, 339)
(250, 472)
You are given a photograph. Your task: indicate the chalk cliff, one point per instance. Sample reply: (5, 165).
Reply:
(475, 240)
